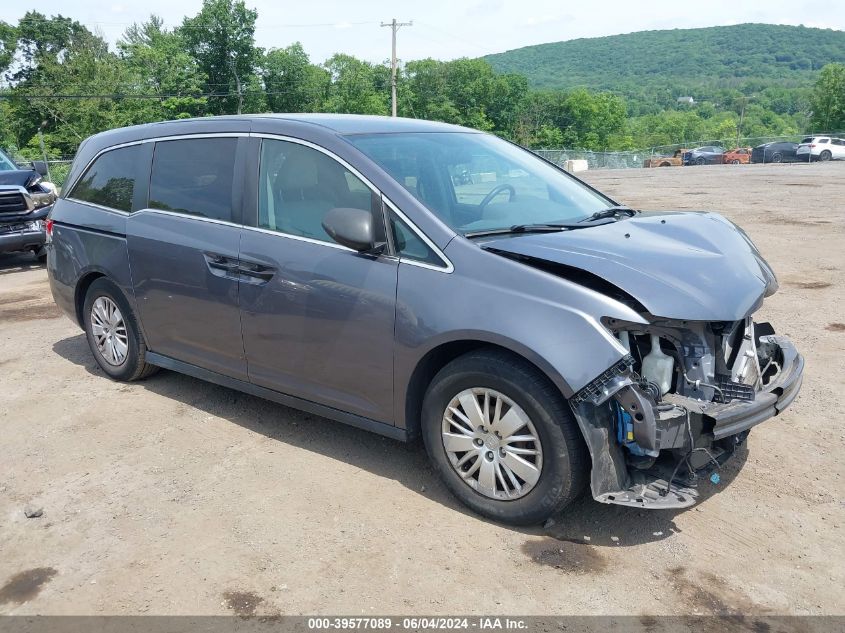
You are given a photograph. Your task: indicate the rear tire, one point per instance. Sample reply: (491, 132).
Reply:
(825, 156)
(531, 407)
(113, 333)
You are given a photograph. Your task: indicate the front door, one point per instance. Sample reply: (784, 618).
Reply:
(317, 317)
(183, 253)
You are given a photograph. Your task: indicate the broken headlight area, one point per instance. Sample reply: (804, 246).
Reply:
(679, 403)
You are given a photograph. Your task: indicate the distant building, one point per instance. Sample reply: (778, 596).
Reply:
(686, 101)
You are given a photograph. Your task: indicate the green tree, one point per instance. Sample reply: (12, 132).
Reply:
(292, 82)
(157, 62)
(8, 46)
(221, 38)
(85, 66)
(41, 40)
(828, 101)
(354, 87)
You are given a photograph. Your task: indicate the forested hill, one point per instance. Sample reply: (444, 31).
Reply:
(681, 61)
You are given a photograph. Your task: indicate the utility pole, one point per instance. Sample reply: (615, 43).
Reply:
(43, 151)
(238, 84)
(394, 26)
(741, 118)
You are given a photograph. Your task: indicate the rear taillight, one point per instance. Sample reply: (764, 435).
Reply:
(811, 145)
(48, 229)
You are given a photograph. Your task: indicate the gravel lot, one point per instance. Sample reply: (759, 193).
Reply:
(174, 496)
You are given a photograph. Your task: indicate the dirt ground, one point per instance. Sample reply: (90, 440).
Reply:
(174, 496)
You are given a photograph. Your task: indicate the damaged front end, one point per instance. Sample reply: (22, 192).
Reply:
(679, 403)
(695, 372)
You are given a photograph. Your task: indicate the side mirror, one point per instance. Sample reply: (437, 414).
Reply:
(353, 228)
(40, 167)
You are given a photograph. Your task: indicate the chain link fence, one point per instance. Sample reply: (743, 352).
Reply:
(595, 160)
(59, 168)
(638, 158)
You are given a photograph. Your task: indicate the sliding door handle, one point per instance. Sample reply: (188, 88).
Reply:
(256, 271)
(221, 265)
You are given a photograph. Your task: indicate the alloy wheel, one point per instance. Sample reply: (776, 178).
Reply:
(109, 331)
(492, 444)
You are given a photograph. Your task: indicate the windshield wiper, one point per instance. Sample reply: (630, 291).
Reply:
(611, 212)
(526, 228)
(534, 228)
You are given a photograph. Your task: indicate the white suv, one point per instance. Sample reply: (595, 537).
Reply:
(821, 148)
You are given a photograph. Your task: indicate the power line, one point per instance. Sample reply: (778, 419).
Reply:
(119, 95)
(205, 27)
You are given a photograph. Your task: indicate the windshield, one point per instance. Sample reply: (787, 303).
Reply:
(478, 182)
(6, 163)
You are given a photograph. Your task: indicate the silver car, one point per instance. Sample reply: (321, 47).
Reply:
(537, 335)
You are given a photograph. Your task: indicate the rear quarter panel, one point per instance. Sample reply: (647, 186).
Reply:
(86, 239)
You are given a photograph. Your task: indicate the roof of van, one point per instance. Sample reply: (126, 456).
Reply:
(338, 123)
(365, 123)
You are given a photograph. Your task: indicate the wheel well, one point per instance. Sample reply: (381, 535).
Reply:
(433, 362)
(82, 290)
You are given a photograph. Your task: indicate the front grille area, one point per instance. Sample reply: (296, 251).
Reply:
(12, 202)
(12, 228)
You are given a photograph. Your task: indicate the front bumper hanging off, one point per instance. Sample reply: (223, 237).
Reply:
(717, 427)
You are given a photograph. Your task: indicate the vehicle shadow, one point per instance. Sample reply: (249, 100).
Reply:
(584, 522)
(18, 262)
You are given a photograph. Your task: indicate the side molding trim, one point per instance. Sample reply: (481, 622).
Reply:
(351, 419)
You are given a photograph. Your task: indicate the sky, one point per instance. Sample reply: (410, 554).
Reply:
(444, 29)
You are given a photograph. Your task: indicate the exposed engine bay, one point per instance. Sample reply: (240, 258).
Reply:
(693, 373)
(677, 406)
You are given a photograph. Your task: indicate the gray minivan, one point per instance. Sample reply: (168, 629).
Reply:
(419, 279)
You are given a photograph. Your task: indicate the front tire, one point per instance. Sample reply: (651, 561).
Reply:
(503, 439)
(113, 333)
(777, 158)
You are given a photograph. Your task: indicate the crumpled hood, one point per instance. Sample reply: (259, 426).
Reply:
(20, 177)
(679, 265)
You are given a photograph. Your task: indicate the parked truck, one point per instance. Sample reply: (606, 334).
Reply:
(675, 160)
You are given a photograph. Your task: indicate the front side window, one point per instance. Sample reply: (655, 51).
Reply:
(194, 176)
(411, 246)
(110, 180)
(478, 182)
(298, 185)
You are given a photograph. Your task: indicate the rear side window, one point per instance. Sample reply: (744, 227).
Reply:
(110, 180)
(194, 176)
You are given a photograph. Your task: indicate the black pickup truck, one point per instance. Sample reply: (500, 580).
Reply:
(25, 201)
